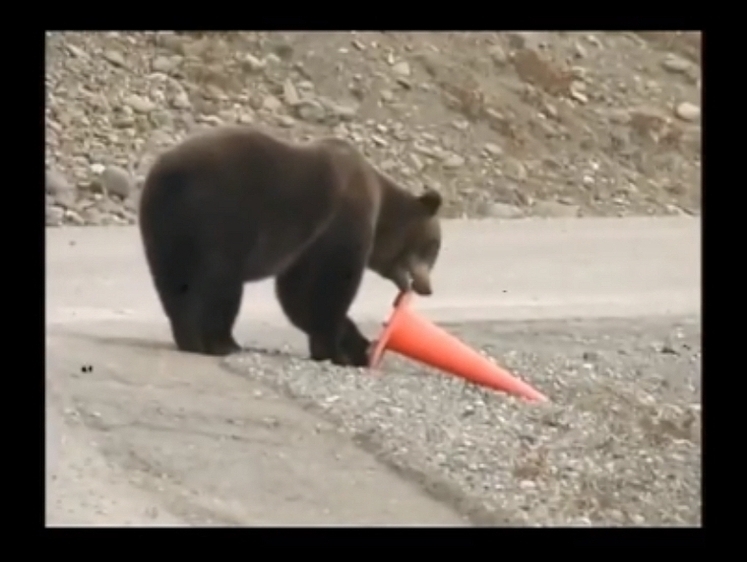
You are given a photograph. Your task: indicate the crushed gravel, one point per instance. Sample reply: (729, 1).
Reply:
(619, 444)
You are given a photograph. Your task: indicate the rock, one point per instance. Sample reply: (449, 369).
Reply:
(555, 209)
(165, 64)
(503, 211)
(56, 184)
(252, 63)
(493, 149)
(453, 161)
(687, 111)
(386, 95)
(181, 101)
(162, 119)
(379, 141)
(311, 111)
(114, 57)
(514, 169)
(271, 103)
(498, 55)
(576, 91)
(117, 181)
(290, 94)
(401, 68)
(675, 64)
(340, 111)
(416, 161)
(212, 120)
(590, 356)
(286, 121)
(213, 92)
(246, 117)
(97, 169)
(73, 217)
(139, 104)
(54, 216)
(77, 52)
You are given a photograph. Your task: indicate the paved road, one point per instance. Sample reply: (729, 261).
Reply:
(152, 436)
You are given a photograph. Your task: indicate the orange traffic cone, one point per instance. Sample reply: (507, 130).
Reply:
(415, 337)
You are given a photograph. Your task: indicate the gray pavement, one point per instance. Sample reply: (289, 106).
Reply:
(152, 436)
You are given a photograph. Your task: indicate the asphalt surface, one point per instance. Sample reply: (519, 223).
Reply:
(140, 434)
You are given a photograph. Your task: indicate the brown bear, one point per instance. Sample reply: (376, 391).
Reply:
(236, 205)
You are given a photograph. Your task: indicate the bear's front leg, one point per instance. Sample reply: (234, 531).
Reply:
(346, 347)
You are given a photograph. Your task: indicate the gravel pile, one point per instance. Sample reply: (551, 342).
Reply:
(505, 125)
(619, 444)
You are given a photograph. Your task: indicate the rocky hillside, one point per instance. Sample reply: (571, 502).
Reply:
(504, 124)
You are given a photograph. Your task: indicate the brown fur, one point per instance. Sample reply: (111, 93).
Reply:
(236, 205)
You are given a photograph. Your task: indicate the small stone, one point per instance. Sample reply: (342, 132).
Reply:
(401, 68)
(576, 92)
(139, 104)
(271, 103)
(515, 169)
(453, 161)
(55, 183)
(162, 119)
(212, 120)
(77, 51)
(290, 94)
(498, 55)
(311, 111)
(73, 217)
(181, 101)
(253, 63)
(379, 141)
(579, 51)
(117, 181)
(286, 121)
(213, 92)
(54, 216)
(688, 111)
(114, 57)
(416, 161)
(165, 64)
(344, 112)
(461, 125)
(676, 64)
(493, 149)
(555, 209)
(590, 356)
(386, 95)
(504, 211)
(98, 169)
(527, 485)
(246, 118)
(388, 165)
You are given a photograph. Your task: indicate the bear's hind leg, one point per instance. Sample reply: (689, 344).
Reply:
(180, 308)
(216, 300)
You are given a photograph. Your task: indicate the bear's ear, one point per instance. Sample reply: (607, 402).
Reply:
(431, 200)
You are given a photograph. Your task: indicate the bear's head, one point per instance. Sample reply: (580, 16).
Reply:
(409, 244)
